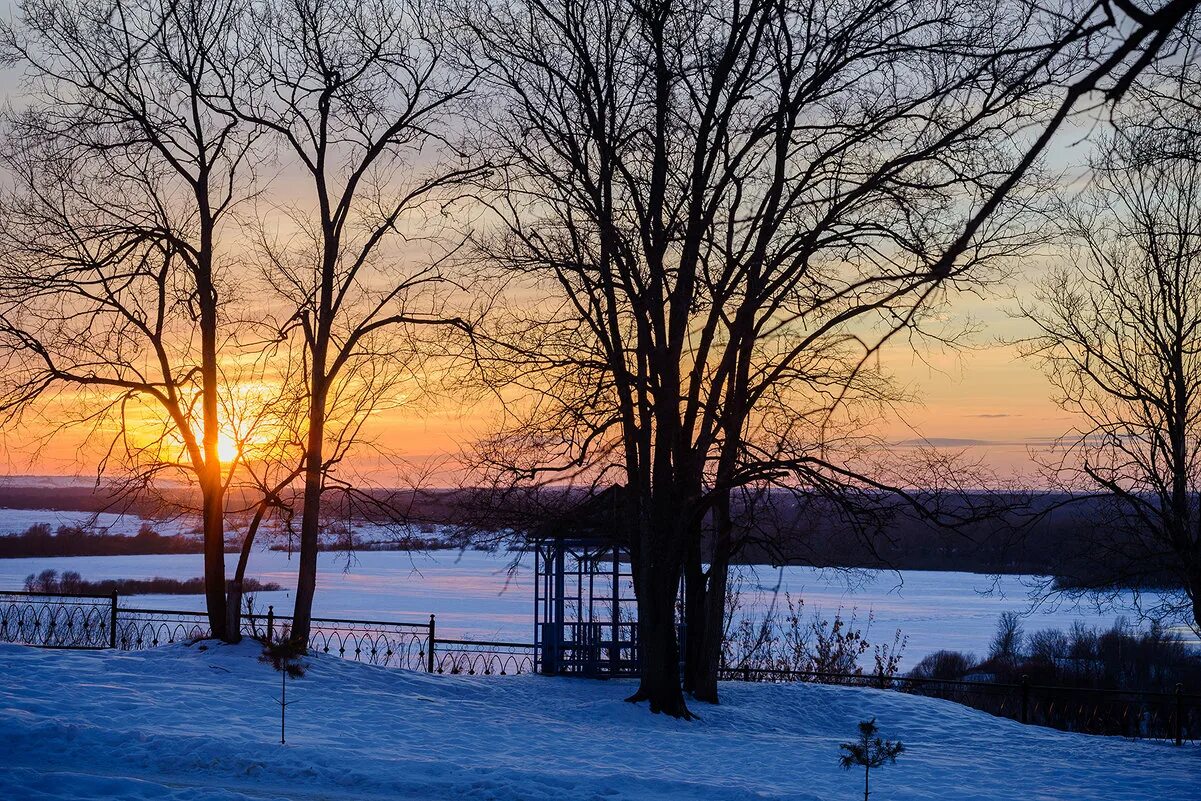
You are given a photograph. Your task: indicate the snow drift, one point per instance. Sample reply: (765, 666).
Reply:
(201, 722)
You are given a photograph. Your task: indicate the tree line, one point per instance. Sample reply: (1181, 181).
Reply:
(673, 242)
(1120, 657)
(69, 581)
(39, 540)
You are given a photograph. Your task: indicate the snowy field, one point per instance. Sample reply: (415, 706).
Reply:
(17, 521)
(182, 723)
(474, 594)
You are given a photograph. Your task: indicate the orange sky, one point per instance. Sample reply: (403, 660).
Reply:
(982, 399)
(985, 400)
(985, 395)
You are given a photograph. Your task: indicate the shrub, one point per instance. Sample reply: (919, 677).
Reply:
(72, 582)
(788, 640)
(1120, 657)
(943, 665)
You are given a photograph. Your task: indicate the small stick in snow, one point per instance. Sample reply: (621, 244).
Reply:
(284, 656)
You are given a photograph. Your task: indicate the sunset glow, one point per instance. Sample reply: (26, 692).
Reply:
(835, 363)
(228, 448)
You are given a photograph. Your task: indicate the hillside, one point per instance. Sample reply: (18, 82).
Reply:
(192, 722)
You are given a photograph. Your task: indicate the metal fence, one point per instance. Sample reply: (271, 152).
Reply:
(81, 621)
(1133, 713)
(60, 620)
(482, 657)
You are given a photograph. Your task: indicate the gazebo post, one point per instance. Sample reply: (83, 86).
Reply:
(559, 624)
(615, 639)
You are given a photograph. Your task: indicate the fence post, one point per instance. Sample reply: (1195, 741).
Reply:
(1179, 714)
(429, 657)
(270, 623)
(112, 622)
(1025, 698)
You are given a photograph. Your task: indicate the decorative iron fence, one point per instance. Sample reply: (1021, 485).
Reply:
(1137, 714)
(376, 642)
(82, 621)
(61, 620)
(483, 657)
(148, 628)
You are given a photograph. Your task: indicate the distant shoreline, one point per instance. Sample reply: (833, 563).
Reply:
(182, 545)
(1055, 547)
(50, 581)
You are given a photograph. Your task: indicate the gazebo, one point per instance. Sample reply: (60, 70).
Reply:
(585, 615)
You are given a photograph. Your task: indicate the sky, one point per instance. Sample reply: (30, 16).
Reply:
(983, 400)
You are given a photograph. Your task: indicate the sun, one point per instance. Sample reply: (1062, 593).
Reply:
(227, 448)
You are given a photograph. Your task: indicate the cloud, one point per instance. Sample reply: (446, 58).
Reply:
(994, 415)
(945, 442)
(964, 442)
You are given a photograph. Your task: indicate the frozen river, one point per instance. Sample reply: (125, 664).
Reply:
(475, 594)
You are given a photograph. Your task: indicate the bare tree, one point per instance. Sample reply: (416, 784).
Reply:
(1121, 41)
(115, 291)
(358, 97)
(1119, 333)
(735, 211)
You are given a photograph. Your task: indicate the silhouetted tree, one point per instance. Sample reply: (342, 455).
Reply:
(729, 212)
(115, 299)
(357, 94)
(1119, 333)
(869, 751)
(943, 665)
(1006, 647)
(285, 657)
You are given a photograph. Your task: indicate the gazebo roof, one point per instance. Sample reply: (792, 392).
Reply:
(594, 519)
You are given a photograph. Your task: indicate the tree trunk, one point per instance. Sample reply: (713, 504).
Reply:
(695, 592)
(1195, 594)
(656, 582)
(310, 522)
(233, 608)
(214, 557)
(248, 543)
(707, 616)
(659, 655)
(211, 473)
(314, 467)
(712, 618)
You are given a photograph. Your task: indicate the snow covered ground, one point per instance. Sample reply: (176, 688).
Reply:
(185, 722)
(17, 521)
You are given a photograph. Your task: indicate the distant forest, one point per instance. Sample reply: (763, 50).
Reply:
(40, 540)
(72, 582)
(1041, 534)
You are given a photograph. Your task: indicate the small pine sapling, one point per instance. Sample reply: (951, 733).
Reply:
(870, 751)
(284, 656)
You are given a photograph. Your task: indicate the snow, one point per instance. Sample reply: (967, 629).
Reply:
(18, 521)
(474, 595)
(193, 722)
